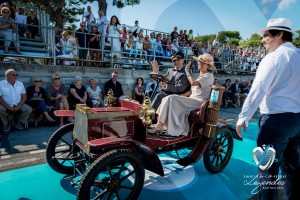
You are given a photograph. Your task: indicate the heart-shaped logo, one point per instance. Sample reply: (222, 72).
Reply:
(264, 157)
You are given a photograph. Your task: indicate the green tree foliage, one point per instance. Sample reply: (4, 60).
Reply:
(233, 42)
(60, 11)
(225, 36)
(253, 41)
(205, 39)
(296, 41)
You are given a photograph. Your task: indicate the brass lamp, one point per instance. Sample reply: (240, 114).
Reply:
(110, 100)
(146, 111)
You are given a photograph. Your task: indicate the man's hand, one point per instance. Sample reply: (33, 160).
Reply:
(187, 67)
(155, 66)
(239, 129)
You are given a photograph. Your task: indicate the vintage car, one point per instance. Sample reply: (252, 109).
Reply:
(108, 149)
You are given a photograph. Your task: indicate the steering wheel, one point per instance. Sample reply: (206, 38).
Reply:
(159, 78)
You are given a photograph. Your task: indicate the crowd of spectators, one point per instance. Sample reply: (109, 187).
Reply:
(132, 43)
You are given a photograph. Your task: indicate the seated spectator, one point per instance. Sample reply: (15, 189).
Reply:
(147, 46)
(188, 52)
(115, 85)
(227, 94)
(129, 47)
(77, 93)
(168, 51)
(139, 49)
(36, 97)
(66, 48)
(94, 46)
(178, 83)
(94, 94)
(159, 52)
(8, 4)
(57, 94)
(235, 95)
(8, 30)
(244, 91)
(174, 109)
(139, 90)
(12, 101)
(32, 24)
(123, 38)
(21, 21)
(174, 47)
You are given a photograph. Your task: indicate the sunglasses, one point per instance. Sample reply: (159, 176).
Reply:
(14, 74)
(38, 81)
(115, 76)
(5, 12)
(56, 78)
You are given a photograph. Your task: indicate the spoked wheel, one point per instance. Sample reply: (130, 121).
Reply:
(60, 152)
(219, 151)
(118, 174)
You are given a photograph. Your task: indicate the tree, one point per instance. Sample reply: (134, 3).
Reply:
(233, 42)
(119, 3)
(205, 38)
(296, 41)
(253, 41)
(225, 36)
(60, 11)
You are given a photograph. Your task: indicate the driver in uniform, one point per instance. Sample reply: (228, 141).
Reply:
(177, 83)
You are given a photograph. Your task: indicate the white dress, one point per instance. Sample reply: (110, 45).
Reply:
(115, 42)
(174, 109)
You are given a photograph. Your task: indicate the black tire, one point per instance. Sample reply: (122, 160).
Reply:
(219, 151)
(60, 151)
(107, 177)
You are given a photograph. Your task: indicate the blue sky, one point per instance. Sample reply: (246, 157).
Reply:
(206, 16)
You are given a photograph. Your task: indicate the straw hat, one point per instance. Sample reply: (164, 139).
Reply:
(206, 58)
(278, 24)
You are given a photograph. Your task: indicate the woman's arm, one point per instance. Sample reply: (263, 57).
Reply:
(74, 93)
(192, 81)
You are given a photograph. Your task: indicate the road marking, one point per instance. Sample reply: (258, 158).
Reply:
(5, 157)
(37, 151)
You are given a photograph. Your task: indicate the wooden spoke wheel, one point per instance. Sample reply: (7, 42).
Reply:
(118, 174)
(219, 151)
(60, 151)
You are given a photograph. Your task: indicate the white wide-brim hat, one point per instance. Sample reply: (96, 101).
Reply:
(278, 24)
(206, 58)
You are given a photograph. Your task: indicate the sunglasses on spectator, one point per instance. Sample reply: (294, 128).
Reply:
(38, 81)
(7, 12)
(57, 78)
(14, 74)
(115, 76)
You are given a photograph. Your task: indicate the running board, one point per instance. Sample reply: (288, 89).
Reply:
(197, 152)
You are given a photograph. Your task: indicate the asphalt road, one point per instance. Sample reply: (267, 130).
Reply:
(27, 147)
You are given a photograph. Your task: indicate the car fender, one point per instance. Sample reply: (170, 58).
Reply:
(149, 157)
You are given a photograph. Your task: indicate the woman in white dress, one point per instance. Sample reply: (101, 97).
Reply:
(113, 31)
(174, 109)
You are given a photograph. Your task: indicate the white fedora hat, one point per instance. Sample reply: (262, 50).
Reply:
(278, 24)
